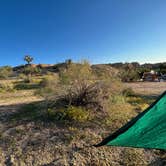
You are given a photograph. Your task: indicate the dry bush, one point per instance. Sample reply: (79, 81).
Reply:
(49, 86)
(87, 89)
(6, 87)
(5, 72)
(118, 115)
(78, 86)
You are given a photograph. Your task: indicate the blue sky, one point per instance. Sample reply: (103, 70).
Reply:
(102, 31)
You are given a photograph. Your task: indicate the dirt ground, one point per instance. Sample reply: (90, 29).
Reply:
(21, 142)
(147, 88)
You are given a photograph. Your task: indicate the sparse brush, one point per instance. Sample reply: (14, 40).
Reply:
(6, 87)
(49, 80)
(128, 92)
(92, 96)
(79, 87)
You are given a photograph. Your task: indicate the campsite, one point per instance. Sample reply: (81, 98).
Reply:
(31, 123)
(82, 83)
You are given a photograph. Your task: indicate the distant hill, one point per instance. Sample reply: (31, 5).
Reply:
(150, 66)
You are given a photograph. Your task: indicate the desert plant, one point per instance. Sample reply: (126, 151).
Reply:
(6, 87)
(5, 72)
(28, 59)
(49, 87)
(71, 114)
(128, 92)
(80, 87)
(77, 114)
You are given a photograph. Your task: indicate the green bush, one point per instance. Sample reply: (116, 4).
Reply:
(71, 113)
(77, 114)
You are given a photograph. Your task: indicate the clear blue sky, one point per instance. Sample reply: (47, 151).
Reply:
(102, 31)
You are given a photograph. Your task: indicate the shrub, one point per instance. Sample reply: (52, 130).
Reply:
(76, 73)
(22, 76)
(5, 72)
(49, 86)
(118, 115)
(86, 89)
(129, 75)
(128, 92)
(49, 81)
(29, 70)
(79, 87)
(77, 114)
(6, 87)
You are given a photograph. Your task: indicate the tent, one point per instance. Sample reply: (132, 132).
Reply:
(147, 130)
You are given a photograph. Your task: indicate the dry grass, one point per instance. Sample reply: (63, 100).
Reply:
(18, 97)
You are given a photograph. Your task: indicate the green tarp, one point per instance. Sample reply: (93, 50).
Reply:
(147, 130)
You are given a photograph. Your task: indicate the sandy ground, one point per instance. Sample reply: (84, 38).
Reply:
(148, 88)
(24, 96)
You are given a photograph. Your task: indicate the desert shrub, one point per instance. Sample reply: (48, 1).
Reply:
(129, 75)
(105, 72)
(76, 73)
(49, 86)
(29, 70)
(6, 87)
(77, 114)
(49, 80)
(79, 87)
(5, 72)
(86, 89)
(128, 92)
(22, 76)
(118, 115)
(117, 99)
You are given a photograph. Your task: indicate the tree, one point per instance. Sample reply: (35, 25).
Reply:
(28, 59)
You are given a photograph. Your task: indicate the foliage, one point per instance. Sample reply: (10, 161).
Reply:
(79, 91)
(77, 114)
(28, 59)
(118, 115)
(29, 70)
(49, 86)
(129, 75)
(6, 87)
(22, 76)
(49, 80)
(128, 92)
(5, 72)
(86, 89)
